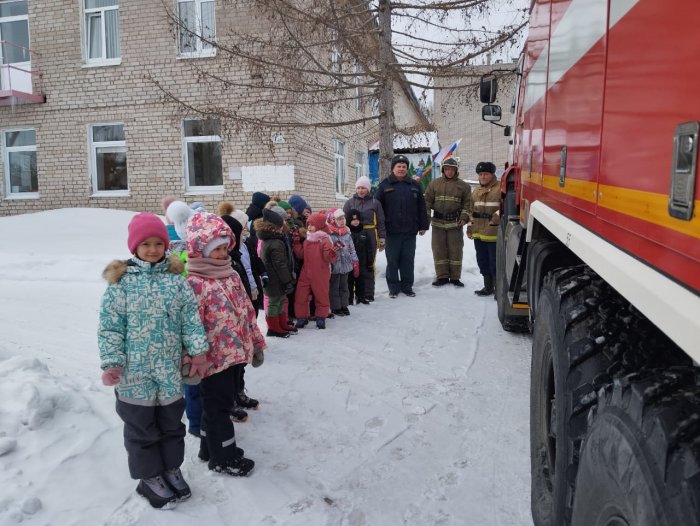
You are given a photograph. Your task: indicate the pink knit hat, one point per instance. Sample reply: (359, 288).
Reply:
(145, 225)
(363, 182)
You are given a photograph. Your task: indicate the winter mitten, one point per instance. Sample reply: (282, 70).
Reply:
(356, 269)
(111, 376)
(288, 289)
(265, 279)
(258, 358)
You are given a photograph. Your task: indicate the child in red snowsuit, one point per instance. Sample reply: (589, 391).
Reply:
(318, 254)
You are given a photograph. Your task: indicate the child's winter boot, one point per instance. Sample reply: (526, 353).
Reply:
(176, 481)
(274, 329)
(157, 492)
(320, 323)
(244, 401)
(286, 324)
(302, 322)
(238, 467)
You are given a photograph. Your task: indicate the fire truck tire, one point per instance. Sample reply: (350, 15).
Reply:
(639, 463)
(567, 357)
(511, 320)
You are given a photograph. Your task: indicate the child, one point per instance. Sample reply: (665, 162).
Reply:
(233, 335)
(277, 258)
(372, 215)
(243, 401)
(365, 255)
(347, 263)
(318, 253)
(148, 315)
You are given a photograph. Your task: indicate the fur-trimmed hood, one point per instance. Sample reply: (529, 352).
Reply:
(265, 229)
(114, 272)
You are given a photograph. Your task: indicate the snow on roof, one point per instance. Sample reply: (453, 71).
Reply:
(417, 141)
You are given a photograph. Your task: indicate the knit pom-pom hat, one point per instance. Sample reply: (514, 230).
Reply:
(317, 220)
(225, 208)
(178, 212)
(145, 225)
(298, 204)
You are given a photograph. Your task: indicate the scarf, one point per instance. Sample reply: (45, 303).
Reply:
(210, 267)
(335, 229)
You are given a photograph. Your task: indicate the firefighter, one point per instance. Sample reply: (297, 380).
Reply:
(450, 200)
(484, 226)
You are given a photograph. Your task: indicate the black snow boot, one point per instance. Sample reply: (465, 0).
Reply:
(457, 283)
(244, 401)
(238, 467)
(176, 481)
(488, 286)
(157, 492)
(238, 414)
(439, 282)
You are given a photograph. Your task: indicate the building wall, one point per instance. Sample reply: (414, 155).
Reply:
(457, 114)
(78, 96)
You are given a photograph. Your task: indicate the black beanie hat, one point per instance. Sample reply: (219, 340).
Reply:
(349, 217)
(260, 199)
(273, 217)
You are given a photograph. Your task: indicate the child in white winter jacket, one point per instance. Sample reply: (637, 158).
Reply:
(345, 264)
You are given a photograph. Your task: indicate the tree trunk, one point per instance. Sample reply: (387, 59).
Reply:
(386, 95)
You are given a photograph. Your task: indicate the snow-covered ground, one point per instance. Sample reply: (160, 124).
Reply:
(410, 411)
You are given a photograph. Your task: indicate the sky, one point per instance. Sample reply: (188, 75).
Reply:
(410, 411)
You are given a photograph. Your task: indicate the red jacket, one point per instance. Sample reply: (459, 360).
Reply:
(318, 254)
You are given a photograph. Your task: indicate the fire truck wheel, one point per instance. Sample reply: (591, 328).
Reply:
(567, 356)
(510, 319)
(640, 464)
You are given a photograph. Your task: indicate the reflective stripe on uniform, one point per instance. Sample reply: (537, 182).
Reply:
(482, 237)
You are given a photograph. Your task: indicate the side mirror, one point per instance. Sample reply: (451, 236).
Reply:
(491, 113)
(488, 87)
(507, 131)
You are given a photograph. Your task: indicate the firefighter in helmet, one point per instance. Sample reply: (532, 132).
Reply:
(485, 215)
(449, 198)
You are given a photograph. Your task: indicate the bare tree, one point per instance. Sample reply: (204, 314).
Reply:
(313, 64)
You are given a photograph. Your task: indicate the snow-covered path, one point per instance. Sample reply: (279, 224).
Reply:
(410, 411)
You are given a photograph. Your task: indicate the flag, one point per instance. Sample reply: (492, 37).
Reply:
(446, 153)
(427, 174)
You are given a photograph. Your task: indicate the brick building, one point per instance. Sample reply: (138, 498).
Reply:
(457, 114)
(83, 124)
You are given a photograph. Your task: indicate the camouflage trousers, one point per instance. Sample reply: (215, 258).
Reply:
(448, 247)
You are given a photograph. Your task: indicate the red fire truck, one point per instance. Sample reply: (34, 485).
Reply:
(599, 255)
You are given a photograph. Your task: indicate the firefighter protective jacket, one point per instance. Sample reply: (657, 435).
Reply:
(450, 200)
(485, 205)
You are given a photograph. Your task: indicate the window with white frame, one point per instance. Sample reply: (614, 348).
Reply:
(108, 159)
(101, 31)
(197, 27)
(202, 155)
(19, 156)
(339, 154)
(360, 164)
(14, 31)
(357, 68)
(335, 58)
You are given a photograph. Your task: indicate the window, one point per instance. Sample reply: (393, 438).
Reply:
(102, 31)
(19, 148)
(339, 154)
(335, 59)
(14, 30)
(197, 21)
(357, 79)
(360, 164)
(108, 159)
(202, 155)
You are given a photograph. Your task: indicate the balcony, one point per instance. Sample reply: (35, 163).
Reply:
(20, 77)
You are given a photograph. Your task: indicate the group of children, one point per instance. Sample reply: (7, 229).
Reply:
(183, 310)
